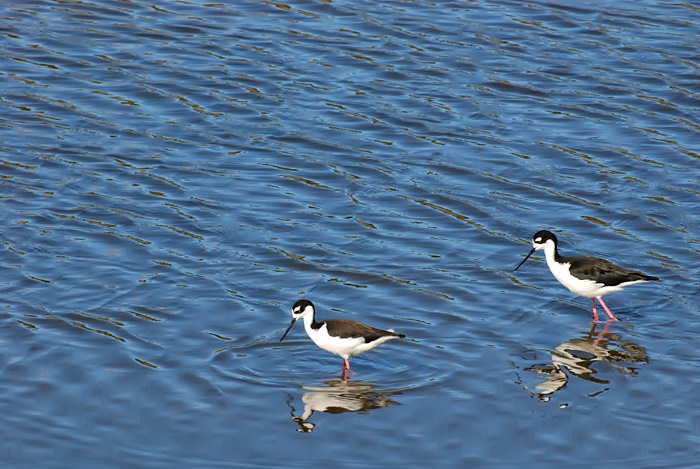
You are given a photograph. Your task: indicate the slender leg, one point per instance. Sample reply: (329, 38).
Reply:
(346, 364)
(595, 311)
(600, 298)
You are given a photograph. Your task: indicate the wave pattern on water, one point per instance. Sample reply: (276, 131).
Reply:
(173, 177)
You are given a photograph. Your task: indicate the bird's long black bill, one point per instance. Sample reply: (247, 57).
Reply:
(288, 329)
(526, 258)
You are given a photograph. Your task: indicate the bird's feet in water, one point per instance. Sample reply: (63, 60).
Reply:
(605, 307)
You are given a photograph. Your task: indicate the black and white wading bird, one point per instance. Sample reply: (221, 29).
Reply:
(341, 337)
(590, 277)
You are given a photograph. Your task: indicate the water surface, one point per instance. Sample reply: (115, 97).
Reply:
(174, 177)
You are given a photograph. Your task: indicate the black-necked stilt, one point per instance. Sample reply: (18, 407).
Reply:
(341, 337)
(590, 277)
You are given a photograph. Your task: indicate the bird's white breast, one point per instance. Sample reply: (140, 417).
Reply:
(583, 287)
(346, 347)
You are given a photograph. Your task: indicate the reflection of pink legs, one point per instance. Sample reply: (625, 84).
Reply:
(602, 334)
(595, 311)
(605, 307)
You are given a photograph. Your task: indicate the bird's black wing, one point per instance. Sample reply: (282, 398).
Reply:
(347, 329)
(601, 270)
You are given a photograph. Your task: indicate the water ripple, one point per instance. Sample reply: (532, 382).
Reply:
(173, 177)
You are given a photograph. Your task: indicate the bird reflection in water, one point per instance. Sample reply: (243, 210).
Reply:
(577, 357)
(337, 397)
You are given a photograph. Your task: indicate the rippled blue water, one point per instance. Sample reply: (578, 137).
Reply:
(175, 175)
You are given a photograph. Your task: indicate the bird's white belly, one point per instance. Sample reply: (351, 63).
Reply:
(585, 288)
(343, 347)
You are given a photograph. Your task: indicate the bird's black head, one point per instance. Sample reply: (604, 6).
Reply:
(539, 241)
(541, 237)
(301, 308)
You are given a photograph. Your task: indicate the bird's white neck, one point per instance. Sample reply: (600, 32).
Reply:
(308, 321)
(550, 253)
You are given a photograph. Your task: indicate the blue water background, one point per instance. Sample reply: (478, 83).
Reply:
(174, 176)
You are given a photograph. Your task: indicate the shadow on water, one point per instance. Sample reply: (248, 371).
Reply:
(579, 356)
(338, 397)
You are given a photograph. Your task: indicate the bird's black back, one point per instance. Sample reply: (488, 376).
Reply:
(601, 270)
(347, 329)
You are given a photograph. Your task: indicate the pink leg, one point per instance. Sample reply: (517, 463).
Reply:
(600, 298)
(595, 311)
(346, 364)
